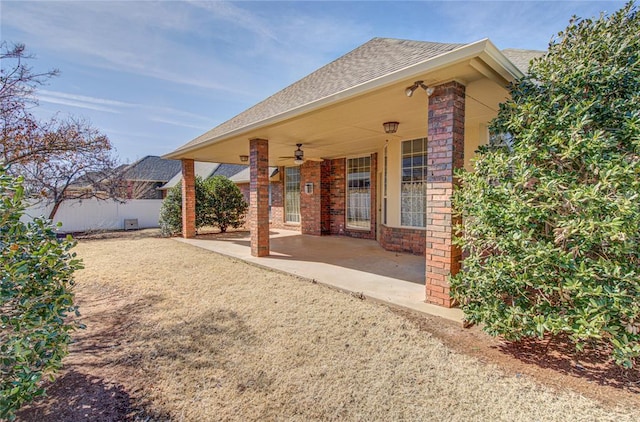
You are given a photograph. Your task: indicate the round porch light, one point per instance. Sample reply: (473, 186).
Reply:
(390, 127)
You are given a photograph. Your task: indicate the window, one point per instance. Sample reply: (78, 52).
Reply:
(292, 194)
(414, 183)
(359, 193)
(501, 140)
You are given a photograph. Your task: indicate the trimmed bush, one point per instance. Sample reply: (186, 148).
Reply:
(225, 203)
(219, 203)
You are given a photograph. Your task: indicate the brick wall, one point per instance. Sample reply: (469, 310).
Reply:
(337, 185)
(277, 203)
(325, 200)
(311, 204)
(445, 150)
(399, 239)
(244, 188)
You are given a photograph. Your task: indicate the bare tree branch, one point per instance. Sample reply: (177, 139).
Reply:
(59, 159)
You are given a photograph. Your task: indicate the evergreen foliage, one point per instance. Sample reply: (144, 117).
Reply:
(551, 218)
(36, 299)
(225, 204)
(219, 203)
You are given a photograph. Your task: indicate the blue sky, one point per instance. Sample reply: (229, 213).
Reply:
(152, 75)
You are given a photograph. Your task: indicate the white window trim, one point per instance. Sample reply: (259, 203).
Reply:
(288, 222)
(346, 193)
(400, 225)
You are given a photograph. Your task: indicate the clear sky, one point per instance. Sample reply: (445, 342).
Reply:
(152, 75)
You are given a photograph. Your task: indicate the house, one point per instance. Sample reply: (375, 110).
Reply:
(201, 169)
(142, 179)
(367, 146)
(94, 184)
(237, 173)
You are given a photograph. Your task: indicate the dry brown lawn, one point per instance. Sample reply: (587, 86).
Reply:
(179, 333)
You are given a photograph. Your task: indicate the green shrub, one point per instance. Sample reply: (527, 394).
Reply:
(225, 203)
(551, 220)
(219, 203)
(36, 271)
(171, 212)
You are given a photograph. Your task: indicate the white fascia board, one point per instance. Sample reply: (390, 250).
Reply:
(458, 55)
(494, 53)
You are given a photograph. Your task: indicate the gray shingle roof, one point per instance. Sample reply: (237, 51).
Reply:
(245, 176)
(228, 170)
(372, 60)
(521, 58)
(152, 168)
(201, 169)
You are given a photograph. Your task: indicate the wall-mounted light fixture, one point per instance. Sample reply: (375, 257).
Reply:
(308, 188)
(418, 84)
(390, 127)
(244, 158)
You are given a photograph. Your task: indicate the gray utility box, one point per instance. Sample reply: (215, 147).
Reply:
(130, 223)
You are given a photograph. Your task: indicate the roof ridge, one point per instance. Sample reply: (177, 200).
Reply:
(524, 49)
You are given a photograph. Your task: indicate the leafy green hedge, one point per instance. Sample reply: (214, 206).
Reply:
(36, 300)
(551, 218)
(219, 203)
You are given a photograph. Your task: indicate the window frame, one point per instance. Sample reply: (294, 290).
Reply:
(287, 187)
(424, 168)
(347, 191)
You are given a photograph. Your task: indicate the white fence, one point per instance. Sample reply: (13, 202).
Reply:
(93, 214)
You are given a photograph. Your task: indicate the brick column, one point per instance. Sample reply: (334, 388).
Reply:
(188, 199)
(259, 196)
(311, 203)
(445, 153)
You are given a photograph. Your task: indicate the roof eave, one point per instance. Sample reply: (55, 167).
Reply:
(482, 48)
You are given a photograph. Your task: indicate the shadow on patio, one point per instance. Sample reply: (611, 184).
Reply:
(357, 254)
(353, 265)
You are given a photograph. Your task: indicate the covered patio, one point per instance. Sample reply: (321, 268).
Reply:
(358, 266)
(358, 157)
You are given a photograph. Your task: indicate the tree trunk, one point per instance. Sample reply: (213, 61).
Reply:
(54, 210)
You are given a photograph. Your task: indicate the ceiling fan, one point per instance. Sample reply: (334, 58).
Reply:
(298, 156)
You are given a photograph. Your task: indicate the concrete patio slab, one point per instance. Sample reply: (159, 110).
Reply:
(356, 266)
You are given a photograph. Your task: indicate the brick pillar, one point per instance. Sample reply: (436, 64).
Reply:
(445, 153)
(259, 196)
(311, 203)
(188, 199)
(325, 201)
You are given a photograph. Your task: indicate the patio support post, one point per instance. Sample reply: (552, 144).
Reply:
(445, 154)
(259, 196)
(311, 218)
(188, 199)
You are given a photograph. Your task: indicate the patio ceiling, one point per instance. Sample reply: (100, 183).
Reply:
(350, 123)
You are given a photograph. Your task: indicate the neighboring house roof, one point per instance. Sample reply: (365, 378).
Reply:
(200, 168)
(152, 168)
(244, 176)
(372, 60)
(228, 170)
(522, 58)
